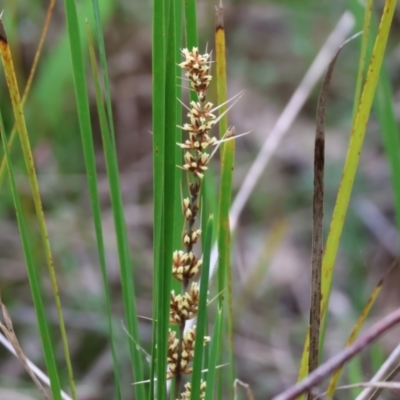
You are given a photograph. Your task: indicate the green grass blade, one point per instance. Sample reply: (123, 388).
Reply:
(202, 313)
(128, 292)
(363, 16)
(350, 167)
(103, 62)
(365, 54)
(214, 355)
(366, 45)
(177, 232)
(192, 38)
(383, 105)
(178, 151)
(97, 214)
(158, 116)
(86, 133)
(33, 182)
(33, 279)
(170, 169)
(227, 164)
(390, 135)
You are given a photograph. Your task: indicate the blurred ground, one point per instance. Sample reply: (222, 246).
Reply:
(270, 46)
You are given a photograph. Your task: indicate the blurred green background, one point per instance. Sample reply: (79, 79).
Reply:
(270, 45)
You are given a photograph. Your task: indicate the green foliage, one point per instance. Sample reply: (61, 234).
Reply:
(175, 25)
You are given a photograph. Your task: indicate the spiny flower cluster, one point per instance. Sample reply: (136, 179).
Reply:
(188, 391)
(197, 66)
(184, 307)
(185, 265)
(181, 364)
(201, 118)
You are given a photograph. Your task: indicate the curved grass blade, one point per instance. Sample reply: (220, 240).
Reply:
(360, 321)
(202, 313)
(227, 164)
(350, 167)
(33, 279)
(318, 212)
(28, 158)
(97, 210)
(38, 53)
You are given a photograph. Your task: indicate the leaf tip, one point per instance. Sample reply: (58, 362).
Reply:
(3, 36)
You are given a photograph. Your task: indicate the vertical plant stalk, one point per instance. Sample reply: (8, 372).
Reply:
(227, 165)
(28, 158)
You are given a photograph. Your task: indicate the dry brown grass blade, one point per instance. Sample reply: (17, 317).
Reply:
(318, 212)
(391, 376)
(8, 331)
(326, 369)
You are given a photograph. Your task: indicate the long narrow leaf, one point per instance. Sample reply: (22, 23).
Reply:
(214, 355)
(202, 313)
(33, 279)
(158, 116)
(384, 106)
(28, 158)
(227, 163)
(86, 134)
(191, 32)
(97, 215)
(104, 69)
(318, 211)
(170, 174)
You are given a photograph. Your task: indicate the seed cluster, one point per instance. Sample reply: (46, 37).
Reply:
(188, 391)
(201, 118)
(185, 264)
